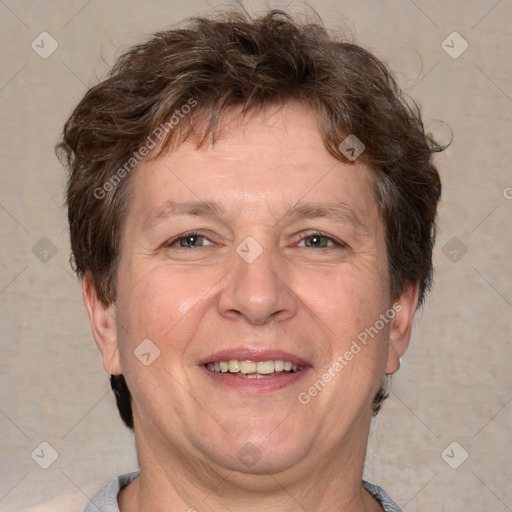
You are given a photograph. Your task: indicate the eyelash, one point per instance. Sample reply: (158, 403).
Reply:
(184, 236)
(335, 242)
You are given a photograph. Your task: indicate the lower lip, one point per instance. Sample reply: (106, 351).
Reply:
(255, 385)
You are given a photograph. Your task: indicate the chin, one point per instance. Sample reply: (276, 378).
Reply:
(263, 451)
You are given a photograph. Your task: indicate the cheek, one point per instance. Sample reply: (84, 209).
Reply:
(347, 299)
(158, 304)
(348, 304)
(163, 308)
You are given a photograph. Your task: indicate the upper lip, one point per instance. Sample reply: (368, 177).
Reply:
(253, 354)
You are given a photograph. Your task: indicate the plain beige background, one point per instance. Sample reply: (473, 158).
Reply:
(455, 381)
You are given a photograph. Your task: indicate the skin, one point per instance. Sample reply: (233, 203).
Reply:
(307, 296)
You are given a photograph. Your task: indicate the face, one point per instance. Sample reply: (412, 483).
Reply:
(252, 265)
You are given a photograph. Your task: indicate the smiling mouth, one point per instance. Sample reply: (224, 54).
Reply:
(254, 369)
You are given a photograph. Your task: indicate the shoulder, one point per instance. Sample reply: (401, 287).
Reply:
(105, 500)
(382, 497)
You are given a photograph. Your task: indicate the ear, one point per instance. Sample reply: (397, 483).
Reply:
(400, 332)
(104, 328)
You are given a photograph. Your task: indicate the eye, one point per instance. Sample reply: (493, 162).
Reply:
(317, 241)
(190, 241)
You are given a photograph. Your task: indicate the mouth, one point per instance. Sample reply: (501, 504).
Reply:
(246, 369)
(254, 371)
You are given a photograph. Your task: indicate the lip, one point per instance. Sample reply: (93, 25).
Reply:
(255, 386)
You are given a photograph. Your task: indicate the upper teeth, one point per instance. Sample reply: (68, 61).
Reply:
(261, 367)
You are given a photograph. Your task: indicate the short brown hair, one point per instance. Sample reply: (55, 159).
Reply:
(235, 60)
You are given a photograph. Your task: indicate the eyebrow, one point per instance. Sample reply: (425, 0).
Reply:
(176, 209)
(335, 210)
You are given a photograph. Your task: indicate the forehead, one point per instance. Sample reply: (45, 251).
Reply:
(260, 158)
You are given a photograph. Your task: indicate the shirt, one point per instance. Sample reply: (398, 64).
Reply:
(105, 500)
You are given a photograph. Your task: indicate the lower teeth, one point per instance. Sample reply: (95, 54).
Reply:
(257, 375)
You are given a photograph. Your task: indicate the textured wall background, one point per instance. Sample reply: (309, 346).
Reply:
(455, 385)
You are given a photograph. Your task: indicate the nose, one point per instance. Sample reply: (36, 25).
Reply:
(257, 291)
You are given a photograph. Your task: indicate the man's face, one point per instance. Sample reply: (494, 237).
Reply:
(265, 248)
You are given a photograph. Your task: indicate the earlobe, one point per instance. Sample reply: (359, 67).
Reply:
(400, 332)
(103, 323)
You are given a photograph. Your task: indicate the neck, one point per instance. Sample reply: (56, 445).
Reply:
(182, 482)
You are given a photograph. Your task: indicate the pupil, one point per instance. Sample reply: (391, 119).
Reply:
(316, 241)
(189, 241)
